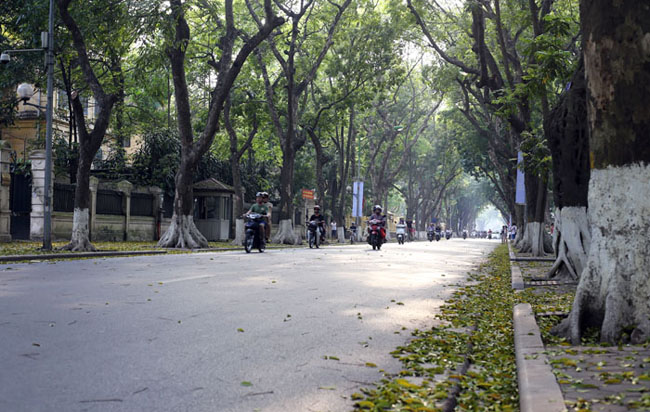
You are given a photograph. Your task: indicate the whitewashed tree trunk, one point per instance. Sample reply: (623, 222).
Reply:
(533, 239)
(183, 233)
(80, 241)
(285, 234)
(614, 289)
(571, 241)
(240, 232)
(341, 236)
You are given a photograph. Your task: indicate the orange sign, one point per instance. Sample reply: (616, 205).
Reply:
(307, 194)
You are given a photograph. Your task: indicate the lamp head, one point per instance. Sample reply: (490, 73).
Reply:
(25, 91)
(5, 58)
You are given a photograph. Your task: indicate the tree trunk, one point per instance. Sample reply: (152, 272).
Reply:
(614, 289)
(89, 142)
(240, 232)
(182, 232)
(533, 237)
(80, 239)
(568, 141)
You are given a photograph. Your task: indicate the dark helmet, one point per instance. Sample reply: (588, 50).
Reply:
(377, 207)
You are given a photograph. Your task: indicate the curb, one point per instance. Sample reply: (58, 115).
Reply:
(49, 256)
(531, 259)
(517, 277)
(515, 272)
(538, 388)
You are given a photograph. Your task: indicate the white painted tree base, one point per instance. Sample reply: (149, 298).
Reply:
(533, 239)
(240, 232)
(183, 234)
(80, 239)
(340, 234)
(614, 289)
(285, 234)
(571, 241)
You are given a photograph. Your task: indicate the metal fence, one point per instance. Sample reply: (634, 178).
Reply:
(109, 202)
(63, 197)
(141, 204)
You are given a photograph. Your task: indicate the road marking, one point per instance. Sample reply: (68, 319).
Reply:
(189, 278)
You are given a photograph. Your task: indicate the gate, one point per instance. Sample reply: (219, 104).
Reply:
(20, 202)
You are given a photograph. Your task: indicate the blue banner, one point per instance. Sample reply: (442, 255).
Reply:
(520, 195)
(357, 200)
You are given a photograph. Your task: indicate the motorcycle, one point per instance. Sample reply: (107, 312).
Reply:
(400, 233)
(255, 236)
(438, 236)
(375, 238)
(313, 234)
(448, 235)
(464, 235)
(430, 235)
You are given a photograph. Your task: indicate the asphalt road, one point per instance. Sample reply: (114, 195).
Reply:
(218, 331)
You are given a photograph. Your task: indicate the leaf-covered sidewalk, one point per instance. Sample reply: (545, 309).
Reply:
(468, 361)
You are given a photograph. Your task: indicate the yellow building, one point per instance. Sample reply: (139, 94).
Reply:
(28, 131)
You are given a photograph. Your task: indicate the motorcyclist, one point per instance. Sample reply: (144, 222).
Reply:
(260, 208)
(321, 221)
(376, 215)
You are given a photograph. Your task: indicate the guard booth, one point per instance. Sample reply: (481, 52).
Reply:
(213, 208)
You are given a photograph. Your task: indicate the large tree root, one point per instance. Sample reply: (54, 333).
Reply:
(240, 233)
(80, 240)
(614, 288)
(535, 240)
(572, 240)
(285, 234)
(183, 234)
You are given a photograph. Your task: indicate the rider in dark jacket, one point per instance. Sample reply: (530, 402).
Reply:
(321, 221)
(382, 218)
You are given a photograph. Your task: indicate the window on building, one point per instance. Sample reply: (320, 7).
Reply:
(84, 103)
(126, 141)
(62, 100)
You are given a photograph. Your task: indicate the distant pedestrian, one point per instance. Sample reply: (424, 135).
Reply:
(333, 226)
(504, 234)
(513, 232)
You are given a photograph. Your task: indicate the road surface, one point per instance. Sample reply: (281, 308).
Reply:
(218, 331)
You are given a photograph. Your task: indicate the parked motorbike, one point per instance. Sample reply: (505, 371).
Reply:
(400, 233)
(374, 234)
(255, 236)
(313, 234)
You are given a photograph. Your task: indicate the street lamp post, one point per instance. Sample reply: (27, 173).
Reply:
(47, 40)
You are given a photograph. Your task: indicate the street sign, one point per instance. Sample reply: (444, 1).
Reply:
(307, 194)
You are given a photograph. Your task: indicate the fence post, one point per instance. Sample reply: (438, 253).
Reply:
(157, 212)
(37, 216)
(125, 187)
(94, 184)
(5, 184)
